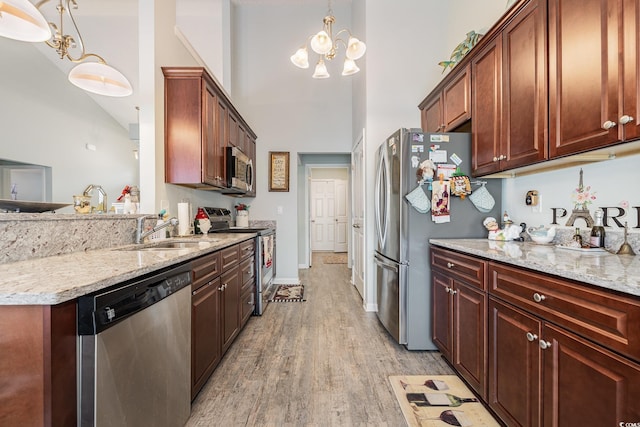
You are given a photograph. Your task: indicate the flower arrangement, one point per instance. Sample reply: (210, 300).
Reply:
(242, 207)
(582, 196)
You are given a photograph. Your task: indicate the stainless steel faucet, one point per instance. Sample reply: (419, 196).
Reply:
(141, 235)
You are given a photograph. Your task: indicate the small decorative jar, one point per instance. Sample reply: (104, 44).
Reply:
(242, 218)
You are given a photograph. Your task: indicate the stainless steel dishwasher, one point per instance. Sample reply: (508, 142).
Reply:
(135, 340)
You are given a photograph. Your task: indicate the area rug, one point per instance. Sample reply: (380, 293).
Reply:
(339, 258)
(288, 293)
(439, 400)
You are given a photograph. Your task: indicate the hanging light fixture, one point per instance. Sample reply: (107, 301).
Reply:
(21, 20)
(96, 77)
(326, 45)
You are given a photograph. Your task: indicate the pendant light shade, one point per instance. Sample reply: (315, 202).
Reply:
(350, 67)
(321, 70)
(321, 43)
(301, 58)
(100, 78)
(355, 48)
(21, 20)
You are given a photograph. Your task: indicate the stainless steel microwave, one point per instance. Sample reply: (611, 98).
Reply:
(239, 171)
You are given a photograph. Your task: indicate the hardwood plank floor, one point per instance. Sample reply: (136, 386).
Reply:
(321, 362)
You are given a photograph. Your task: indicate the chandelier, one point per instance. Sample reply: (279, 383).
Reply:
(21, 20)
(326, 45)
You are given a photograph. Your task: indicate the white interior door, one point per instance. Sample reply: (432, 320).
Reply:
(357, 211)
(323, 221)
(341, 217)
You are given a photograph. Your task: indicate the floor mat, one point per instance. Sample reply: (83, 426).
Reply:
(288, 293)
(438, 401)
(339, 258)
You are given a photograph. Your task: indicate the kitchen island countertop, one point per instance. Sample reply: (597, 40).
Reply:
(603, 269)
(56, 279)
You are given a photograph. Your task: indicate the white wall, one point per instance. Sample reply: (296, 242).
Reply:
(47, 121)
(288, 110)
(612, 181)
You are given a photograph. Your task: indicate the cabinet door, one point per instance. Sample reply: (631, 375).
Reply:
(631, 54)
(442, 312)
(431, 115)
(514, 365)
(586, 385)
(486, 93)
(210, 166)
(230, 283)
(456, 100)
(470, 332)
(524, 96)
(205, 335)
(234, 130)
(583, 77)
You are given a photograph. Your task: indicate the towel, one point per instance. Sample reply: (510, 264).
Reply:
(267, 251)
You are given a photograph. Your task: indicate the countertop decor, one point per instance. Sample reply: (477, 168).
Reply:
(603, 269)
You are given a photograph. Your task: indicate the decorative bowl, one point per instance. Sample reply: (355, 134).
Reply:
(542, 235)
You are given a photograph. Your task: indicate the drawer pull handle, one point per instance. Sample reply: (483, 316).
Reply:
(539, 297)
(531, 337)
(545, 344)
(450, 265)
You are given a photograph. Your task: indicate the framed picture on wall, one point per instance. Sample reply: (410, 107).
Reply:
(278, 171)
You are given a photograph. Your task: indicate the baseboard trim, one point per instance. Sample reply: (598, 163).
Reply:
(370, 307)
(286, 281)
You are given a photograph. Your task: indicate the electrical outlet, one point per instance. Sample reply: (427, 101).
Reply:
(538, 207)
(280, 210)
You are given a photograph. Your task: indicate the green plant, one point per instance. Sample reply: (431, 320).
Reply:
(461, 50)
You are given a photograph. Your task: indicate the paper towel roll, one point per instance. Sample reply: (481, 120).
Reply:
(184, 220)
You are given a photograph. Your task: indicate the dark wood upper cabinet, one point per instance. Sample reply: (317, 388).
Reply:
(449, 105)
(584, 81)
(509, 95)
(200, 123)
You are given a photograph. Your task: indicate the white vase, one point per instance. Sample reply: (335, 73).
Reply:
(242, 219)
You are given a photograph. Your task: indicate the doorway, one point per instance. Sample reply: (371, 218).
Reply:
(329, 180)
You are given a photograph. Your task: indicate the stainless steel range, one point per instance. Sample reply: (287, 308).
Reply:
(265, 258)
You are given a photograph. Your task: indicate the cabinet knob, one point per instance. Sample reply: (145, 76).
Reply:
(538, 297)
(625, 119)
(495, 159)
(453, 292)
(221, 288)
(503, 157)
(545, 344)
(448, 290)
(531, 337)
(450, 265)
(608, 125)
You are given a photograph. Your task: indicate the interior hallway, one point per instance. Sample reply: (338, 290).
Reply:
(315, 363)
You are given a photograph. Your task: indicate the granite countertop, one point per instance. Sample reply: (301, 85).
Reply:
(56, 279)
(604, 269)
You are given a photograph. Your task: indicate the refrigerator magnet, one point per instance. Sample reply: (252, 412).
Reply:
(438, 156)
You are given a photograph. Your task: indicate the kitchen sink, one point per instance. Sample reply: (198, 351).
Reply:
(169, 246)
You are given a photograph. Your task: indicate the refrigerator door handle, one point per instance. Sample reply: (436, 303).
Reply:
(382, 212)
(384, 264)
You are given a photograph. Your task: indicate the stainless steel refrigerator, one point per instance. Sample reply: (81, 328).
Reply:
(403, 274)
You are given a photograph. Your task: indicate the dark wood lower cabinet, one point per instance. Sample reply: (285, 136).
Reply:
(514, 365)
(587, 385)
(206, 350)
(230, 304)
(38, 365)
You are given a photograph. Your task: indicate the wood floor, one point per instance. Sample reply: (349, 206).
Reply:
(321, 362)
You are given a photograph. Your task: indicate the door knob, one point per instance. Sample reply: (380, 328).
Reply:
(608, 125)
